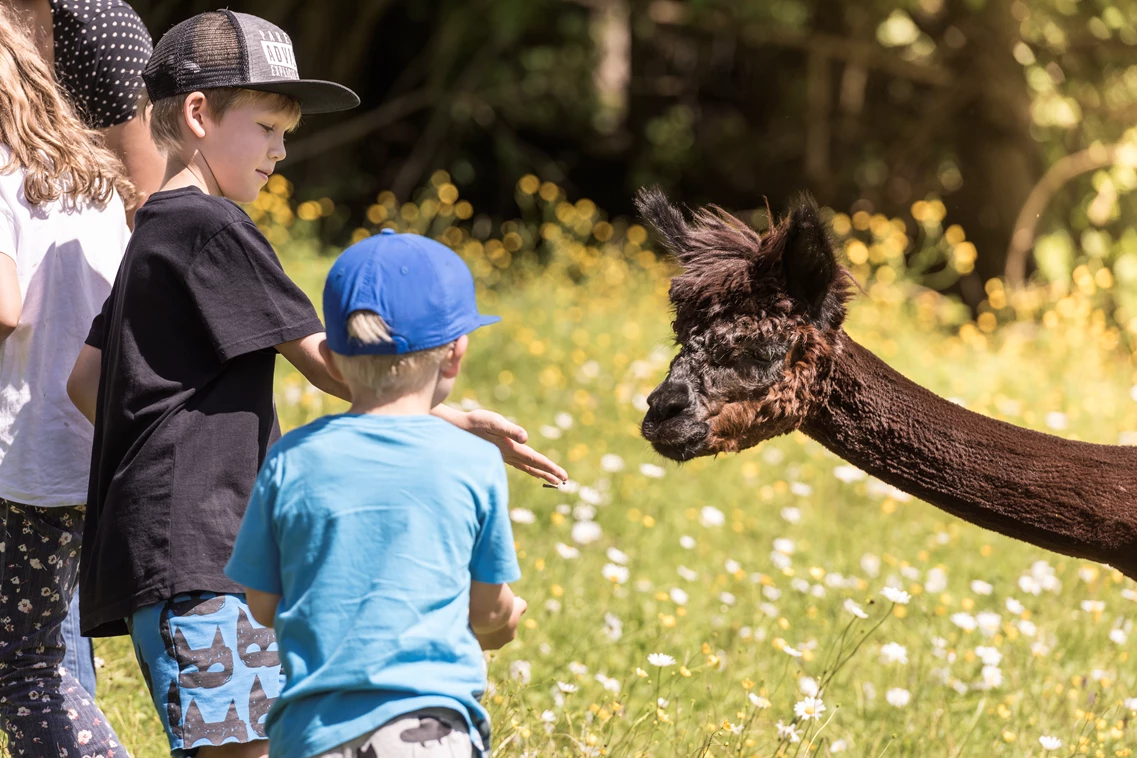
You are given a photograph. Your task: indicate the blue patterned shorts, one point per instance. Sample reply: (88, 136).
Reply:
(213, 672)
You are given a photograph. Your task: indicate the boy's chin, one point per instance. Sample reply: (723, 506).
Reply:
(246, 194)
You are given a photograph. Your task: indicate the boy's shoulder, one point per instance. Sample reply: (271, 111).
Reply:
(189, 208)
(428, 435)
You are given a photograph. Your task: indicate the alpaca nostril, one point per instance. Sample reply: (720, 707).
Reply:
(667, 402)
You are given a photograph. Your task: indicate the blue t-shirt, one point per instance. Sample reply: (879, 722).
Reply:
(370, 528)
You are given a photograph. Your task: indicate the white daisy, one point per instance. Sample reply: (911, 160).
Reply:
(662, 660)
(585, 532)
(787, 732)
(893, 652)
(1049, 743)
(989, 655)
(992, 677)
(686, 542)
(855, 609)
(809, 709)
(898, 697)
(762, 703)
(900, 597)
(651, 471)
(568, 552)
(964, 621)
(980, 587)
(522, 516)
(988, 623)
(870, 564)
(710, 516)
(784, 546)
(608, 683)
(614, 573)
(849, 474)
(935, 581)
(521, 671)
(612, 463)
(617, 556)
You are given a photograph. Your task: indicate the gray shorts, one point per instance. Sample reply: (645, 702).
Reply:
(426, 733)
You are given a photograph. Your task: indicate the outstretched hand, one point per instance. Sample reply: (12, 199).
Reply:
(510, 440)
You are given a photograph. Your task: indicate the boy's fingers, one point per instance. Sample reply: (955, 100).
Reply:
(533, 463)
(489, 422)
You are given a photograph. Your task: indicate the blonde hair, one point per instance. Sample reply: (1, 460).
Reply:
(61, 158)
(166, 115)
(386, 374)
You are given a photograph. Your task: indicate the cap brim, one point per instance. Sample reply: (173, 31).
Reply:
(315, 95)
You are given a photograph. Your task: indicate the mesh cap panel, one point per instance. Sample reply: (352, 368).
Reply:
(201, 52)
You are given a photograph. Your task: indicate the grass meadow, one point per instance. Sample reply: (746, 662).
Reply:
(777, 602)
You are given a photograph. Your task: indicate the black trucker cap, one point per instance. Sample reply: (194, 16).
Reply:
(227, 49)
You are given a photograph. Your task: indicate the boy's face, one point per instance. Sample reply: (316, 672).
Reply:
(242, 149)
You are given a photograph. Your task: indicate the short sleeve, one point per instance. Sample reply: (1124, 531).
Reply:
(8, 235)
(96, 336)
(494, 560)
(244, 298)
(255, 561)
(101, 49)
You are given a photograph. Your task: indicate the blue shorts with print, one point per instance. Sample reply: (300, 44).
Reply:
(213, 672)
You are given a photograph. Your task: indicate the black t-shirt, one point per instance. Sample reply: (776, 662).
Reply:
(185, 409)
(101, 47)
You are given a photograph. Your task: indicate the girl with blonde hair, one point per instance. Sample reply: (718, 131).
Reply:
(62, 236)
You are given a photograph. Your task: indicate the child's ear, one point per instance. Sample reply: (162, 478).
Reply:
(329, 362)
(194, 111)
(453, 361)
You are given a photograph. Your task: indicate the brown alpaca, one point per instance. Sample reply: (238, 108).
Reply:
(762, 353)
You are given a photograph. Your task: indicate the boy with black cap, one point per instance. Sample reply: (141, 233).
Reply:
(177, 376)
(379, 539)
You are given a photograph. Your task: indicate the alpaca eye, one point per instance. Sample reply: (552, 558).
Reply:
(767, 354)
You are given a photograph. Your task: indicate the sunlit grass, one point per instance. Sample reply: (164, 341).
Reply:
(735, 566)
(687, 611)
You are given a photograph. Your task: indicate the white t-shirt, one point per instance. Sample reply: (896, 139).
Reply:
(66, 261)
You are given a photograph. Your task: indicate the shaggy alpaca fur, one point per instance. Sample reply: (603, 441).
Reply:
(762, 353)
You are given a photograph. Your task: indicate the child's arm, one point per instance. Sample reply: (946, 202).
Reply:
(262, 605)
(305, 354)
(83, 384)
(11, 304)
(509, 438)
(495, 613)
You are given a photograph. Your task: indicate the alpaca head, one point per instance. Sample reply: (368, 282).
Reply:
(755, 319)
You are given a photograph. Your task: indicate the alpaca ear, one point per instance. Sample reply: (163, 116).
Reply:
(808, 262)
(665, 218)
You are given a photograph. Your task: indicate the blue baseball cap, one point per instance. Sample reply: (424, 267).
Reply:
(421, 289)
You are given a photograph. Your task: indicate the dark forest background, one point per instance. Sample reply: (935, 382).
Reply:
(991, 106)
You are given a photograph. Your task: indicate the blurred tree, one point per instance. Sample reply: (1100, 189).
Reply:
(870, 105)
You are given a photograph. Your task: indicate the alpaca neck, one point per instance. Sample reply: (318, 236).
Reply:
(1071, 497)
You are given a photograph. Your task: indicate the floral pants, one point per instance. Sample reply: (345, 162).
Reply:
(43, 708)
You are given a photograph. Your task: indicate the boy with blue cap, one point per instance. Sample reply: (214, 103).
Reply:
(177, 377)
(378, 540)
